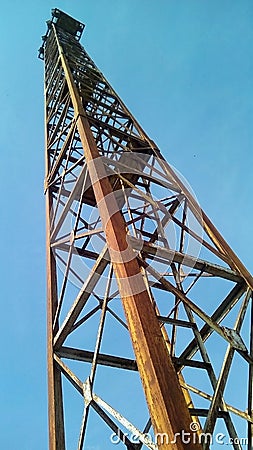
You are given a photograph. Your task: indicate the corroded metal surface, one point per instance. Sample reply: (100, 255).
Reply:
(140, 282)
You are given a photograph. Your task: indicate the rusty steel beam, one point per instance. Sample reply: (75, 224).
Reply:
(55, 401)
(106, 360)
(155, 251)
(167, 406)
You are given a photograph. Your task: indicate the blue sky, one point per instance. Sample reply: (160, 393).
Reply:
(184, 68)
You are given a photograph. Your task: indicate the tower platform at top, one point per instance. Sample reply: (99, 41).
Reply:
(62, 20)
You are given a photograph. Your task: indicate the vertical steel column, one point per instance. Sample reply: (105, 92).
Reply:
(167, 405)
(55, 400)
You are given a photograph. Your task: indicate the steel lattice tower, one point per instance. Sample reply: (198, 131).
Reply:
(149, 310)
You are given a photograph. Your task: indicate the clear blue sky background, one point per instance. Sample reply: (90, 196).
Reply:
(184, 68)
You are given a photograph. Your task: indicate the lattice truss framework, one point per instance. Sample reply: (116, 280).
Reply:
(199, 289)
